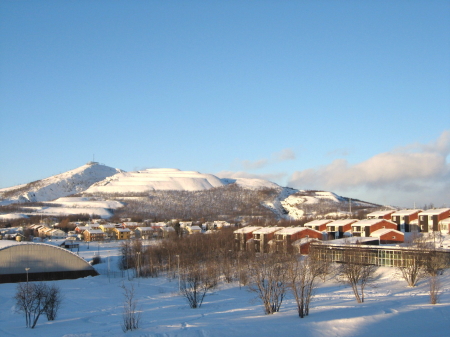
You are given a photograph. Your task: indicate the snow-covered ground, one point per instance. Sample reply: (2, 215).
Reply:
(93, 307)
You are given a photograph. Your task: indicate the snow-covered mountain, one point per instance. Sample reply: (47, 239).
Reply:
(101, 182)
(61, 185)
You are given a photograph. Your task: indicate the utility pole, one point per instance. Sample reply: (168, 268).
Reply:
(179, 280)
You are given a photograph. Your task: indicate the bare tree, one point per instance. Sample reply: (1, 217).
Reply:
(195, 281)
(54, 299)
(357, 271)
(269, 280)
(35, 299)
(413, 266)
(131, 316)
(435, 263)
(303, 274)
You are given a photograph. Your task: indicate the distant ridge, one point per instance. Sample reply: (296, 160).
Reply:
(104, 183)
(60, 185)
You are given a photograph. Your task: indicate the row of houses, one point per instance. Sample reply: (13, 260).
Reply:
(45, 232)
(125, 231)
(381, 227)
(410, 220)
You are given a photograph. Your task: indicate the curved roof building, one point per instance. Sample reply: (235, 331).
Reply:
(39, 262)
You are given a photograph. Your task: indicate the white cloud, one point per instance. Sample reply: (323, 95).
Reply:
(254, 165)
(274, 177)
(421, 169)
(284, 155)
(277, 157)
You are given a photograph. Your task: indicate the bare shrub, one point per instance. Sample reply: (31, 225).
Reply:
(436, 262)
(195, 281)
(303, 274)
(357, 271)
(435, 289)
(268, 279)
(131, 317)
(413, 266)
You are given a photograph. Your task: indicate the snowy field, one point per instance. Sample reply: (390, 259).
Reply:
(93, 306)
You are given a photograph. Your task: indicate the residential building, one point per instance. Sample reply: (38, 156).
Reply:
(167, 232)
(406, 220)
(429, 220)
(444, 226)
(336, 229)
(131, 225)
(364, 228)
(55, 234)
(388, 236)
(242, 236)
(108, 229)
(93, 235)
(122, 233)
(144, 233)
(193, 229)
(262, 237)
(318, 225)
(284, 239)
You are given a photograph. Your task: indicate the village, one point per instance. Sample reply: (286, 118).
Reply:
(383, 228)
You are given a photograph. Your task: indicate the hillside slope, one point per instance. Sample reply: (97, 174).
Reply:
(61, 185)
(155, 180)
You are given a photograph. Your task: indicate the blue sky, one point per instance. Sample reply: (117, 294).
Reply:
(347, 96)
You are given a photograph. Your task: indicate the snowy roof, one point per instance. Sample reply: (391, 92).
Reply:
(407, 212)
(445, 221)
(381, 213)
(159, 224)
(291, 230)
(343, 222)
(94, 231)
(318, 222)
(370, 222)
(197, 228)
(122, 229)
(145, 229)
(267, 230)
(7, 243)
(245, 230)
(434, 211)
(384, 231)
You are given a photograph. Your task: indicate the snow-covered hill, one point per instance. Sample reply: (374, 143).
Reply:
(155, 179)
(61, 185)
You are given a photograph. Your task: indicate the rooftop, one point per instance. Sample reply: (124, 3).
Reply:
(407, 212)
(435, 211)
(267, 230)
(246, 230)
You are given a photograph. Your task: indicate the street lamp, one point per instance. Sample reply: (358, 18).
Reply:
(179, 281)
(139, 263)
(27, 269)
